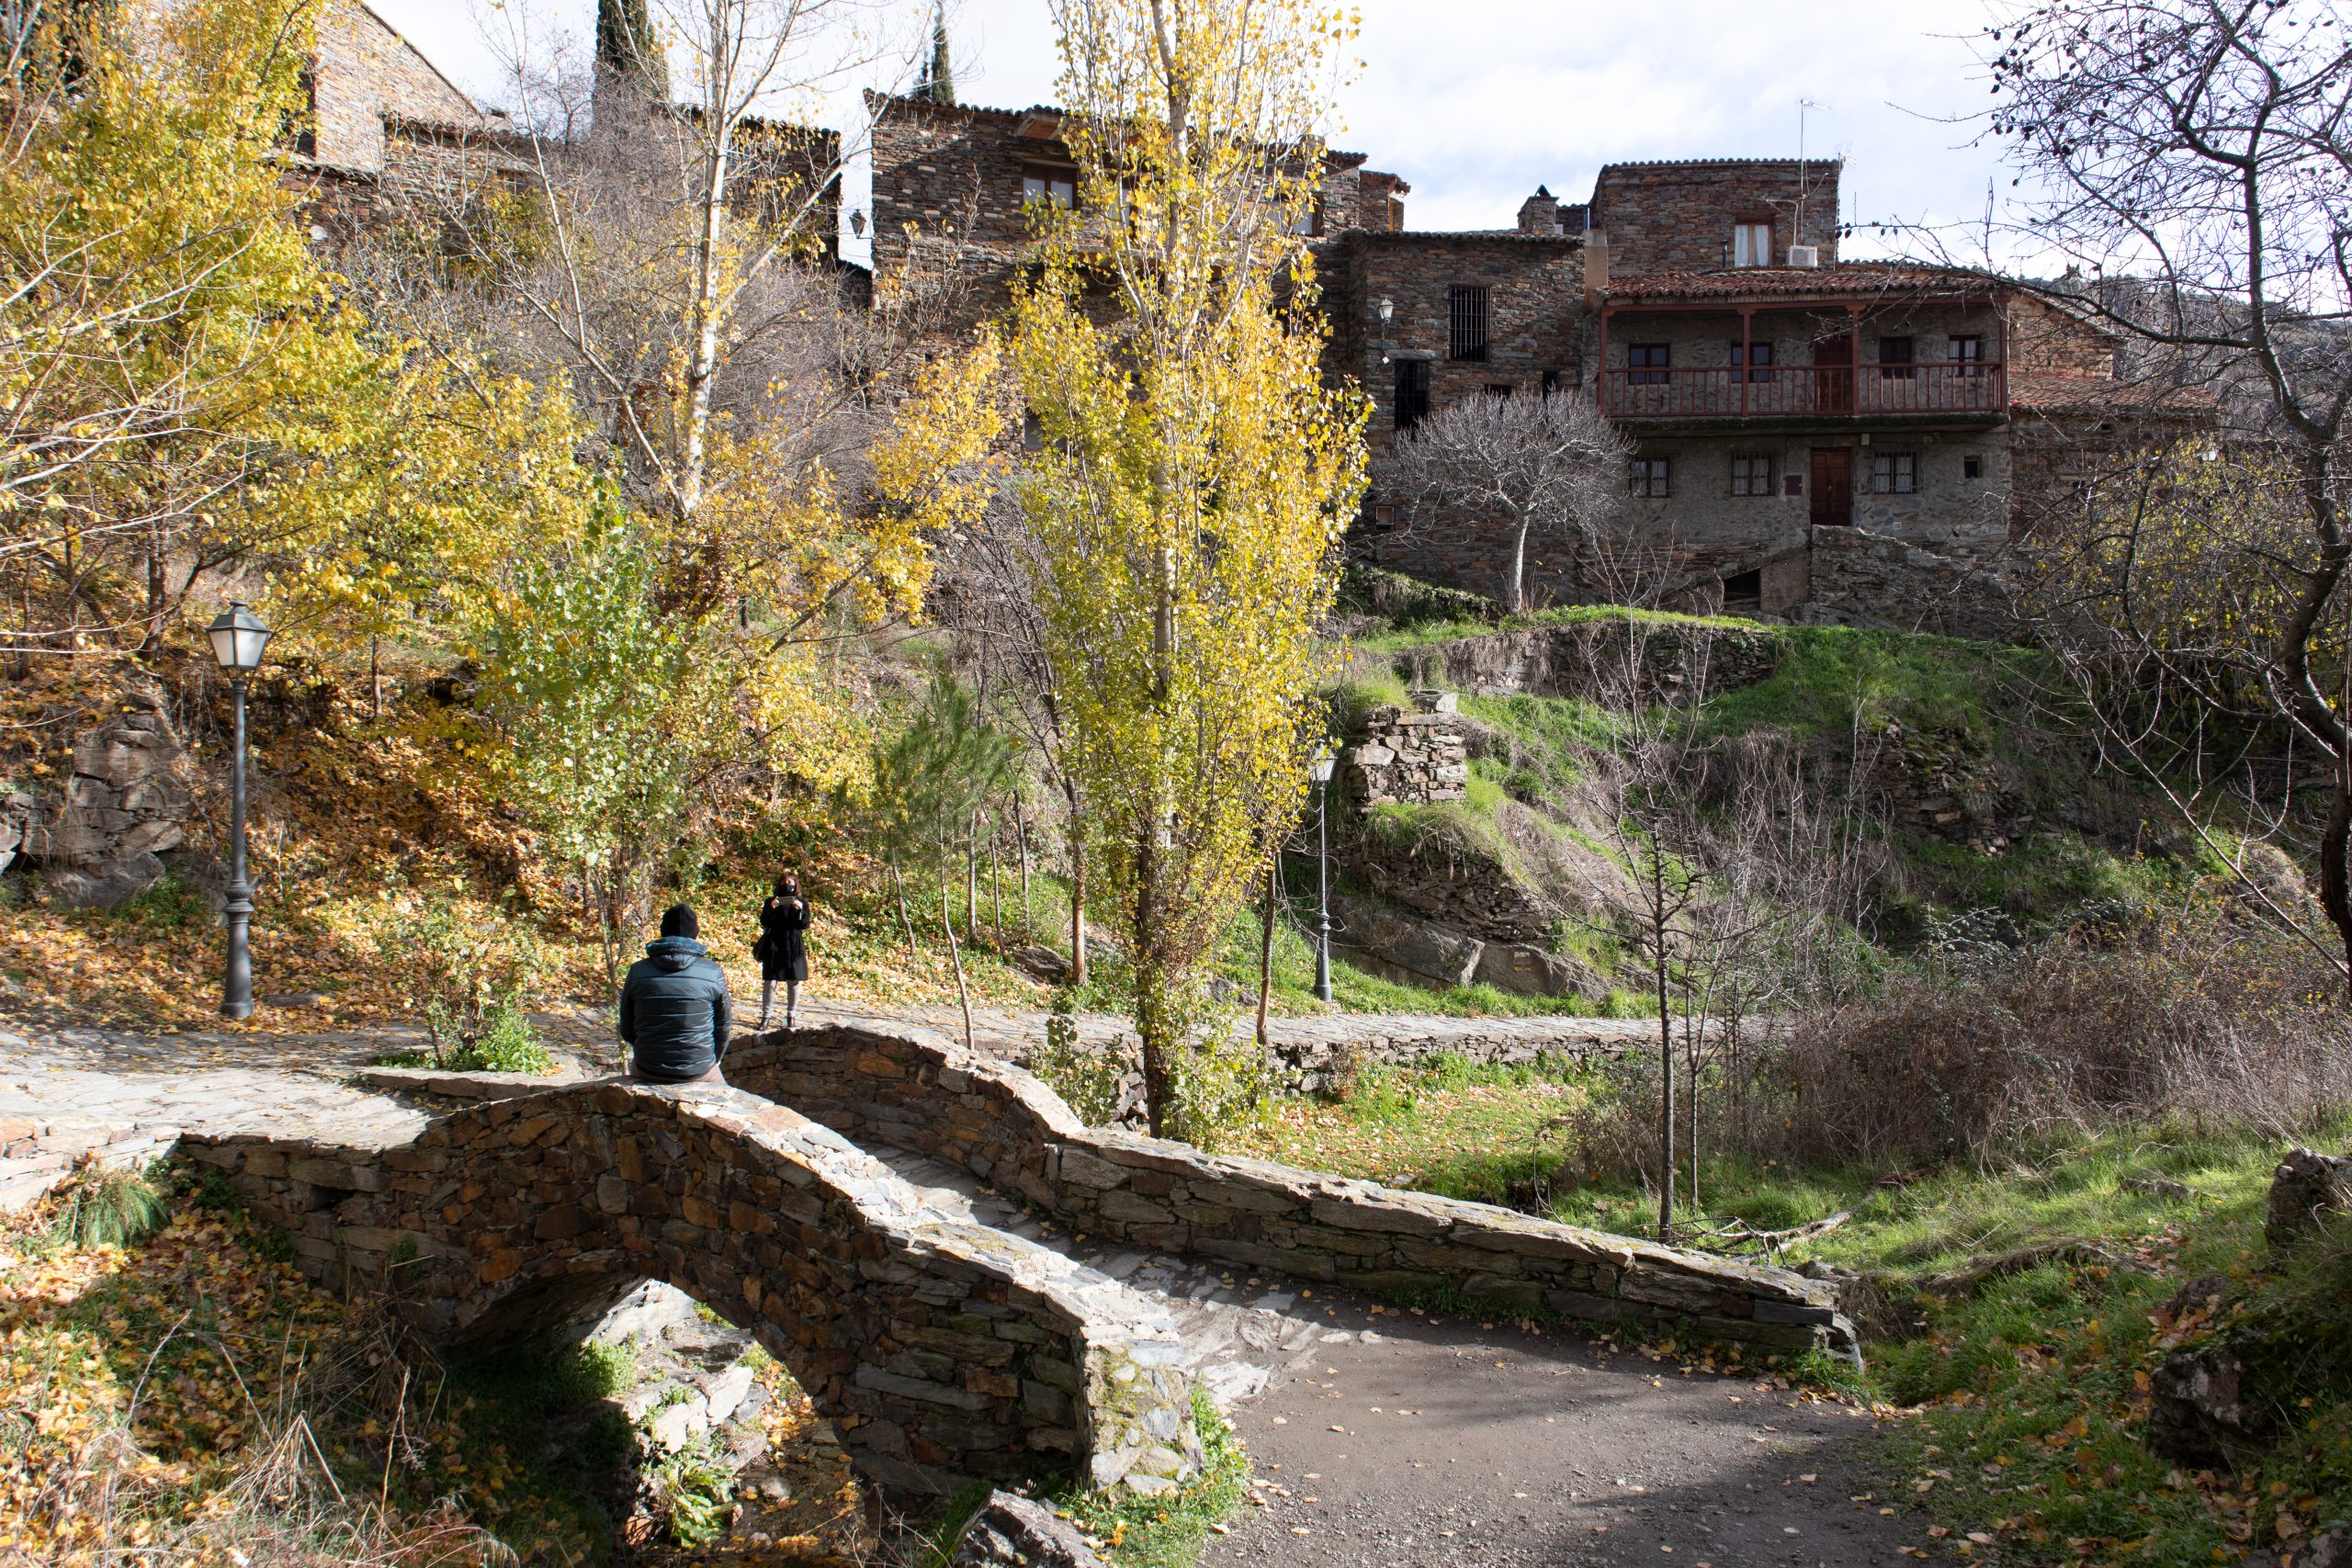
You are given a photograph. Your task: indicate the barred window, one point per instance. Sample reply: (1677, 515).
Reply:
(1894, 473)
(1651, 477)
(1751, 474)
(1467, 309)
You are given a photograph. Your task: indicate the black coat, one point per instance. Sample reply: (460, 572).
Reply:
(674, 1011)
(784, 954)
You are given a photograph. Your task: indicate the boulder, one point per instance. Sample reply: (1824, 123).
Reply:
(2306, 1189)
(1528, 970)
(1012, 1532)
(1436, 954)
(2198, 1412)
(107, 886)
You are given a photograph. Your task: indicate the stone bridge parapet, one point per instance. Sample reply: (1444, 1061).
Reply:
(918, 1089)
(940, 1352)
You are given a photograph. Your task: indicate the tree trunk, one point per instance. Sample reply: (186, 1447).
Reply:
(2334, 876)
(972, 878)
(1266, 952)
(996, 881)
(1021, 842)
(1664, 1048)
(897, 879)
(955, 956)
(1077, 910)
(1518, 570)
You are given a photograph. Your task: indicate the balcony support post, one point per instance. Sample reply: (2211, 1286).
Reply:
(1747, 353)
(1600, 379)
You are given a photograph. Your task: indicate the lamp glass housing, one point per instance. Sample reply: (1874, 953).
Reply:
(238, 638)
(1322, 772)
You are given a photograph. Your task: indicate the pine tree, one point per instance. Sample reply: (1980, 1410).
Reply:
(627, 49)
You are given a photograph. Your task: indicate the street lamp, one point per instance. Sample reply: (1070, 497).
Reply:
(1321, 773)
(1388, 308)
(238, 638)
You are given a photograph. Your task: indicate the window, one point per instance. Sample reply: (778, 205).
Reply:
(1894, 473)
(1306, 218)
(1412, 392)
(1972, 468)
(1744, 591)
(1751, 244)
(1057, 187)
(1649, 363)
(1499, 390)
(1894, 358)
(1551, 382)
(1758, 354)
(1466, 309)
(1383, 517)
(1650, 477)
(1751, 474)
(1968, 352)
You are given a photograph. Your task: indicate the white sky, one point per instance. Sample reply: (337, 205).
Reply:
(1475, 102)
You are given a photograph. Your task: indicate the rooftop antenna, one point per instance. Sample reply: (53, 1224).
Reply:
(1803, 105)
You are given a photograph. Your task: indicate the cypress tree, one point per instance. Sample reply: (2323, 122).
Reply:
(937, 82)
(627, 49)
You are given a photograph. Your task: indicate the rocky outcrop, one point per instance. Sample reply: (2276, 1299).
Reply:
(2198, 1412)
(97, 839)
(1013, 1531)
(2306, 1190)
(1394, 944)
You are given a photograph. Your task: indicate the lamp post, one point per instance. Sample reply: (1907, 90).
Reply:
(1321, 773)
(238, 637)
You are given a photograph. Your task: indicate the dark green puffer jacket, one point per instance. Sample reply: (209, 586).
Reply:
(673, 1011)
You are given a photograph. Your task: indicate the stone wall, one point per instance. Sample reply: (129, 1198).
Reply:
(1678, 215)
(1534, 325)
(1409, 757)
(939, 1351)
(918, 1090)
(1861, 577)
(1592, 660)
(364, 73)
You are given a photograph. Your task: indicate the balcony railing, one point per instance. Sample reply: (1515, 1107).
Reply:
(1732, 391)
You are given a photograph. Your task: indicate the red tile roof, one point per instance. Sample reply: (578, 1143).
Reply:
(1841, 280)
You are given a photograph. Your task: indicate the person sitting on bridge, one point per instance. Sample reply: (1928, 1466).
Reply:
(674, 1014)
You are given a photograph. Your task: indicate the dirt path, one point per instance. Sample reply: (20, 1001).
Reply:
(1431, 1443)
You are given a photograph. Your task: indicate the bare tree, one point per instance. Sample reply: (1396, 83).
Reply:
(2196, 156)
(1541, 467)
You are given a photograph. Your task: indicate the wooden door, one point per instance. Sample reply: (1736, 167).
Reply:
(1832, 374)
(1833, 486)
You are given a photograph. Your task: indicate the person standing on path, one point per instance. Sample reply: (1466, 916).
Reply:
(783, 947)
(674, 1012)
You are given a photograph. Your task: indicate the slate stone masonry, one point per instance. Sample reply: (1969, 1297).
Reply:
(940, 1352)
(918, 1090)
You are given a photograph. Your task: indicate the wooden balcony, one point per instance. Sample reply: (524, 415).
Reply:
(1964, 389)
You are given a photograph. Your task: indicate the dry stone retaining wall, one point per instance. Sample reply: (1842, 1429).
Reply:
(918, 1090)
(938, 1350)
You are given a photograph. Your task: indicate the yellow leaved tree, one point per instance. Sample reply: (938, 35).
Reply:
(1194, 476)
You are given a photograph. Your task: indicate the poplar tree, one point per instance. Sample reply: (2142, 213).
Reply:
(1195, 475)
(937, 82)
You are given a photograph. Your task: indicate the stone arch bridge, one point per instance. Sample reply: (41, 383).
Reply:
(940, 1349)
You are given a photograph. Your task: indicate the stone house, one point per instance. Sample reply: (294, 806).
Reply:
(953, 184)
(1810, 436)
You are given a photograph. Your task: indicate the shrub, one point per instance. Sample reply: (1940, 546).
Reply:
(472, 967)
(1981, 1049)
(1091, 1083)
(97, 1207)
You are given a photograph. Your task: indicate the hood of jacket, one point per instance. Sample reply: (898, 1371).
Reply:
(676, 953)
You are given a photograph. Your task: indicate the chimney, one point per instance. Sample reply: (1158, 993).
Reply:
(1596, 266)
(1540, 213)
